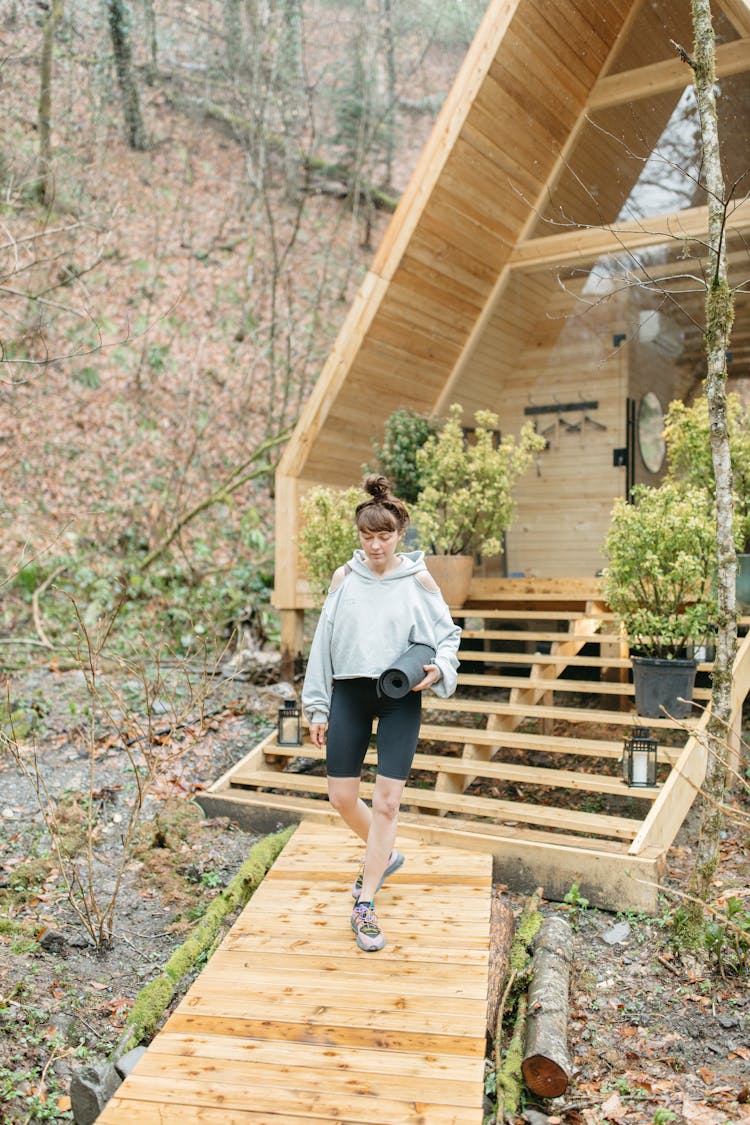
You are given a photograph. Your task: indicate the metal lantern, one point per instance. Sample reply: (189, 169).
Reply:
(639, 758)
(290, 724)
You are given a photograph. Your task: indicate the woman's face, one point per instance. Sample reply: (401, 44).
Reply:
(379, 546)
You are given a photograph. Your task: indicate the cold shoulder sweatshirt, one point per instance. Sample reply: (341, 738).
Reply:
(365, 625)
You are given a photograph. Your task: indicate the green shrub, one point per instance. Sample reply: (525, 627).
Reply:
(662, 557)
(466, 503)
(328, 535)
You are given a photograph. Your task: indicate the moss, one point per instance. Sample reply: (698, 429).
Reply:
(510, 1075)
(152, 1000)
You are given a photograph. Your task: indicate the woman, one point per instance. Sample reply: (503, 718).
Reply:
(376, 604)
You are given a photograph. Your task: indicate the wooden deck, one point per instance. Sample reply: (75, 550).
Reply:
(291, 1022)
(524, 760)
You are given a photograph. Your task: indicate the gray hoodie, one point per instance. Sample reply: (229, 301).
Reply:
(365, 625)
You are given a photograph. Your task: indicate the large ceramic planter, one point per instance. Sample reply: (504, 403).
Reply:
(661, 686)
(453, 575)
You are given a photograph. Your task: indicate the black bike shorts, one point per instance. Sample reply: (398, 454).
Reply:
(354, 705)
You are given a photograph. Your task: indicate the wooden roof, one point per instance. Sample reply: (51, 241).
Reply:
(524, 169)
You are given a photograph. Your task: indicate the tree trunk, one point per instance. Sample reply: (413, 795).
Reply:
(46, 183)
(546, 1063)
(131, 106)
(391, 96)
(292, 94)
(149, 16)
(719, 316)
(502, 929)
(234, 36)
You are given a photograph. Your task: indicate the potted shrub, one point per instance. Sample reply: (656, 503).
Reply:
(405, 433)
(328, 534)
(466, 500)
(688, 441)
(661, 551)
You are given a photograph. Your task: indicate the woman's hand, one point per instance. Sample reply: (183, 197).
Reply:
(432, 677)
(318, 734)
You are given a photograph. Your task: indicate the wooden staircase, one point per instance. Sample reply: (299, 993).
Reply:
(524, 761)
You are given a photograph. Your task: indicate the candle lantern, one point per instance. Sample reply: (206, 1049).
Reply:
(639, 758)
(290, 724)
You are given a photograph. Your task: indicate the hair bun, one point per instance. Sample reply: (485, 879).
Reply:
(378, 487)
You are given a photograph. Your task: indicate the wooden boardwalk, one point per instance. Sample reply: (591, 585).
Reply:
(290, 1022)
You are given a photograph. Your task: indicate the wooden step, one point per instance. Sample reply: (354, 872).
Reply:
(568, 714)
(533, 614)
(523, 635)
(579, 687)
(597, 824)
(318, 808)
(547, 743)
(544, 776)
(529, 659)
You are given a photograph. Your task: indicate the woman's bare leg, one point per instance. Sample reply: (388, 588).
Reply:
(386, 801)
(343, 793)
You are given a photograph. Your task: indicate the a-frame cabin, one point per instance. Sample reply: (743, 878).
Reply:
(524, 271)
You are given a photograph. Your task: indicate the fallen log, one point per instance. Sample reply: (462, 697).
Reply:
(502, 928)
(508, 1076)
(546, 1062)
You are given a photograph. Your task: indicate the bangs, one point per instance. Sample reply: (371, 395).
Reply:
(375, 517)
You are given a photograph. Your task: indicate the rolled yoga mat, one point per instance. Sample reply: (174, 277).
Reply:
(405, 672)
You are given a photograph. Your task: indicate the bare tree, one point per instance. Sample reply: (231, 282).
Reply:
(118, 18)
(719, 316)
(46, 182)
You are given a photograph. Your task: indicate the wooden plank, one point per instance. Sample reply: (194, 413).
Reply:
(120, 1109)
(584, 245)
(579, 687)
(569, 714)
(658, 78)
(445, 1067)
(324, 1078)
(182, 1091)
(571, 820)
(410, 978)
(571, 745)
(545, 776)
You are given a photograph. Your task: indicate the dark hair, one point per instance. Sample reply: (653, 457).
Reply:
(384, 512)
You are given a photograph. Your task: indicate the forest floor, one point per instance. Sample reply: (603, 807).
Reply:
(653, 1037)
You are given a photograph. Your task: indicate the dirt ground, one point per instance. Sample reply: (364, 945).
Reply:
(653, 1037)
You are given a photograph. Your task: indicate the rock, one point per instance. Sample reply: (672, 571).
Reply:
(535, 1117)
(52, 941)
(617, 934)
(127, 1062)
(91, 1087)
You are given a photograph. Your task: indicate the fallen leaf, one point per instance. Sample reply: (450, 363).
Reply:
(64, 1104)
(701, 1114)
(613, 1108)
(706, 1074)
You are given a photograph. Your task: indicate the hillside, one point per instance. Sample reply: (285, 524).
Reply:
(168, 310)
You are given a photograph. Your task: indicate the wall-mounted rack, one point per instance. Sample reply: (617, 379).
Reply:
(560, 407)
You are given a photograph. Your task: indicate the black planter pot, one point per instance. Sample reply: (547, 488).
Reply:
(663, 684)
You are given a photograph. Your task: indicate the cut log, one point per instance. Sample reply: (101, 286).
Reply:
(502, 928)
(546, 1062)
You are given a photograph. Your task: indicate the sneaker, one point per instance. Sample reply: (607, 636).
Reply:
(394, 865)
(370, 937)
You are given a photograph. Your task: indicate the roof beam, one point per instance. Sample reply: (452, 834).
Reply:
(585, 244)
(738, 12)
(663, 77)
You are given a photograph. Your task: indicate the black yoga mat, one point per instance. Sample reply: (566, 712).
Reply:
(405, 672)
